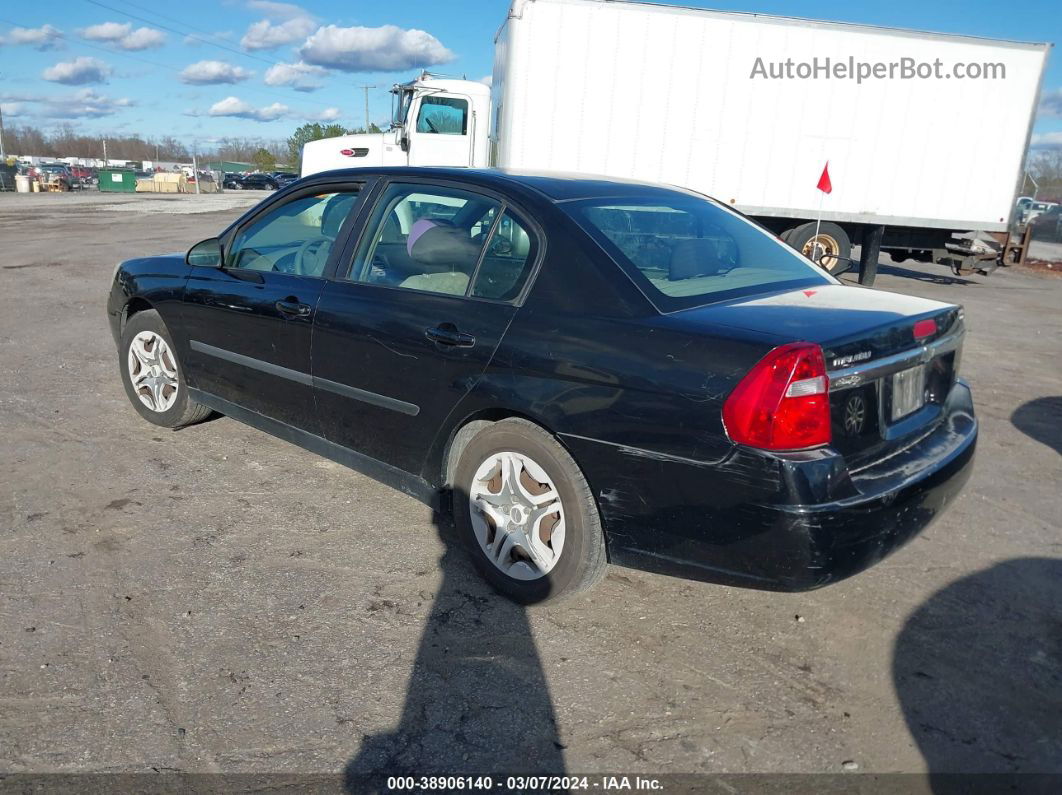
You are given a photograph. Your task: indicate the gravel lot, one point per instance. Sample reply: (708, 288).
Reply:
(216, 600)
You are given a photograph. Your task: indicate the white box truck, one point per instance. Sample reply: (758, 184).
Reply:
(925, 134)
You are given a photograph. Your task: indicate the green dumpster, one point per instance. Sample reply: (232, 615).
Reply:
(117, 180)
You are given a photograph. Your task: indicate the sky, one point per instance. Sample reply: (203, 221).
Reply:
(202, 71)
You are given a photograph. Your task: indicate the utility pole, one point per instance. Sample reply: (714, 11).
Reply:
(2, 155)
(105, 153)
(366, 89)
(195, 165)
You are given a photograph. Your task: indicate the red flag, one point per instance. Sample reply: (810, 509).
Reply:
(824, 181)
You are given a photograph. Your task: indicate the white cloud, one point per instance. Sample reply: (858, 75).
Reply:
(123, 36)
(328, 114)
(78, 72)
(486, 80)
(297, 75)
(195, 40)
(1051, 104)
(233, 106)
(384, 49)
(1047, 140)
(82, 104)
(45, 37)
(275, 10)
(285, 23)
(11, 109)
(203, 73)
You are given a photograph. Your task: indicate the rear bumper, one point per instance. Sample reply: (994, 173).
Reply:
(751, 523)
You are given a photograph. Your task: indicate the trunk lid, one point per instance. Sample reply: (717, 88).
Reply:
(892, 359)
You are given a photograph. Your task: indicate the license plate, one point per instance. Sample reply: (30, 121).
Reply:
(908, 391)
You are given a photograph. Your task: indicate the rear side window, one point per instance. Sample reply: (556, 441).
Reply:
(689, 251)
(506, 262)
(445, 240)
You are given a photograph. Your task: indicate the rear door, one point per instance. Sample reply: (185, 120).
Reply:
(249, 322)
(405, 331)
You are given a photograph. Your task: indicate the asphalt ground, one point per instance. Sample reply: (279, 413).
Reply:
(215, 600)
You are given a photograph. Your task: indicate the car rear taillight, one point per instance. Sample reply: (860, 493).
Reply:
(925, 328)
(783, 402)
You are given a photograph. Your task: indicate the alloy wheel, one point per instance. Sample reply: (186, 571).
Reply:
(153, 371)
(517, 515)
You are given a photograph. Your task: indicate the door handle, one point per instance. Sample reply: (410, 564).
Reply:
(293, 308)
(447, 334)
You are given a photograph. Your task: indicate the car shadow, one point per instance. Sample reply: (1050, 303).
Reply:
(477, 702)
(978, 673)
(1041, 419)
(933, 278)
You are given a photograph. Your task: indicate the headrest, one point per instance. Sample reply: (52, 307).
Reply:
(442, 245)
(335, 213)
(694, 257)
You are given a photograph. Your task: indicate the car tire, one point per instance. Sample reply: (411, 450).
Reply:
(579, 559)
(161, 397)
(835, 238)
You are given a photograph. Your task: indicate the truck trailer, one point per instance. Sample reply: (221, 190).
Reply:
(925, 134)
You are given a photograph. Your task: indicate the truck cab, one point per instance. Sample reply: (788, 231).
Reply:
(436, 122)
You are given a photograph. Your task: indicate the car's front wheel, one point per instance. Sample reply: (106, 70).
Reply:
(526, 514)
(152, 375)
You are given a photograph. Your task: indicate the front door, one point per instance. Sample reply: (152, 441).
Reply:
(442, 133)
(249, 322)
(432, 287)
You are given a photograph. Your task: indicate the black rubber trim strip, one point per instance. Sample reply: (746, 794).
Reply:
(254, 364)
(372, 398)
(367, 397)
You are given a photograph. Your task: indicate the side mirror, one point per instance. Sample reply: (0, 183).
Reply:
(205, 254)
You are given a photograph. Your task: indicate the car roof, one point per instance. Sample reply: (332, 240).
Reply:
(554, 186)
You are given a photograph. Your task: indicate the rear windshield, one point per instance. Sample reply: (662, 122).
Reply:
(686, 251)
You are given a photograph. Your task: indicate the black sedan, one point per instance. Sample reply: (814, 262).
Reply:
(259, 181)
(232, 182)
(582, 370)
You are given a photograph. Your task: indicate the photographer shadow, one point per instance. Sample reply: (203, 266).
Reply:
(1041, 419)
(477, 701)
(978, 672)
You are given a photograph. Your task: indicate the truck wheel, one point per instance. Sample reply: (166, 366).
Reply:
(525, 512)
(830, 250)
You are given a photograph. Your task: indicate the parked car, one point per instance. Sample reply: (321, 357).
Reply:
(1047, 225)
(581, 370)
(259, 181)
(284, 178)
(86, 176)
(1034, 210)
(232, 182)
(56, 173)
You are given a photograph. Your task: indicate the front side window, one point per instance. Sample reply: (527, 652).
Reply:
(443, 115)
(444, 240)
(296, 237)
(686, 251)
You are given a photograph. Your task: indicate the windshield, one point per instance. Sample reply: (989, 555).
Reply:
(684, 251)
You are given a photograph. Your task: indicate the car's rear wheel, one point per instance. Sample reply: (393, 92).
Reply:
(152, 374)
(526, 514)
